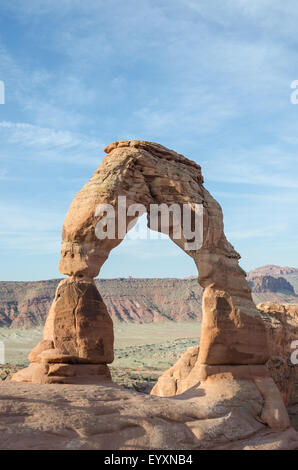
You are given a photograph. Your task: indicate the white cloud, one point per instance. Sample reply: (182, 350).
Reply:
(52, 144)
(31, 135)
(212, 76)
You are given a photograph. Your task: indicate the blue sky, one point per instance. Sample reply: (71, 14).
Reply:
(210, 79)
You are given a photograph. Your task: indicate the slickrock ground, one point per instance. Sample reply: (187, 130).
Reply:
(281, 322)
(110, 417)
(218, 414)
(281, 328)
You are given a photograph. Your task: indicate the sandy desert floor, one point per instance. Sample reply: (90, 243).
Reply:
(142, 351)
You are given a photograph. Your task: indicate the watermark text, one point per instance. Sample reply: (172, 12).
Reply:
(181, 222)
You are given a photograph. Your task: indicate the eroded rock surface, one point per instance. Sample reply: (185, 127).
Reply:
(237, 399)
(147, 173)
(221, 414)
(77, 335)
(282, 330)
(261, 284)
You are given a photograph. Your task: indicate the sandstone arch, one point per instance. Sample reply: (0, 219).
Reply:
(78, 335)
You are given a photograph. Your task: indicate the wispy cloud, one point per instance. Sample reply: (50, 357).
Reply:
(209, 79)
(263, 166)
(31, 135)
(257, 232)
(52, 144)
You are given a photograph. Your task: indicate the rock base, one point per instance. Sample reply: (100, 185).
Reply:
(188, 377)
(221, 413)
(57, 373)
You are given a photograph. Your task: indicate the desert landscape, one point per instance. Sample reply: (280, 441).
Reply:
(209, 349)
(26, 304)
(148, 347)
(155, 320)
(142, 351)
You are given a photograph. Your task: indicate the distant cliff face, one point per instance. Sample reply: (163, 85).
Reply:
(272, 270)
(274, 284)
(26, 304)
(152, 300)
(261, 284)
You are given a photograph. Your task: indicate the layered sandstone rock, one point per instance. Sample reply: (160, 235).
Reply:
(282, 330)
(188, 376)
(229, 371)
(223, 413)
(272, 270)
(281, 322)
(261, 284)
(26, 304)
(147, 173)
(78, 331)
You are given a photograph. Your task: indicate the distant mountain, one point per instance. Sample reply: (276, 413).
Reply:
(261, 284)
(290, 274)
(272, 270)
(26, 304)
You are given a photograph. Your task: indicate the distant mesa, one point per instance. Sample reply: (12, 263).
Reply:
(26, 304)
(261, 284)
(271, 270)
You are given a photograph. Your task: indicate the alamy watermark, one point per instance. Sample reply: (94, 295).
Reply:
(182, 222)
(2, 92)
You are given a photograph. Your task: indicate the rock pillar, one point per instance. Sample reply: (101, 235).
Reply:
(77, 340)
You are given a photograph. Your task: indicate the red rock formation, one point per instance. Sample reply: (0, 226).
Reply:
(78, 335)
(272, 270)
(26, 304)
(282, 329)
(233, 345)
(147, 173)
(261, 284)
(220, 415)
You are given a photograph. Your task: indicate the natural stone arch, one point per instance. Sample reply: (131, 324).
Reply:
(78, 335)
